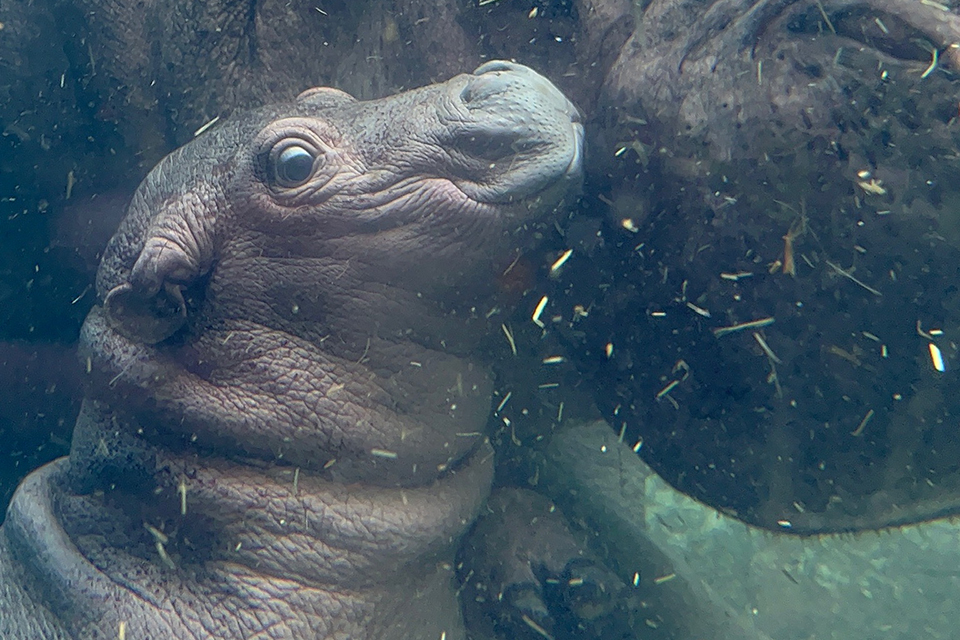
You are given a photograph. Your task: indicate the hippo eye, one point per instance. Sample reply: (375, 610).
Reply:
(293, 166)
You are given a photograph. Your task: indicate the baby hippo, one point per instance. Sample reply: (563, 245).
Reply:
(283, 434)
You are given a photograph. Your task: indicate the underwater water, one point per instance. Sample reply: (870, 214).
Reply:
(733, 363)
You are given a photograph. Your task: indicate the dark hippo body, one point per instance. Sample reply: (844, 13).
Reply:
(283, 435)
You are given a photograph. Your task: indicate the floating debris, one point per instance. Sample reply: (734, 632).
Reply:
(667, 389)
(561, 261)
(936, 357)
(700, 311)
(681, 365)
(872, 186)
(826, 18)
(537, 628)
(71, 181)
(935, 55)
(504, 402)
(753, 324)
(206, 126)
(182, 490)
(843, 353)
(848, 275)
(766, 348)
(510, 341)
(158, 535)
(863, 423)
(539, 311)
(161, 540)
(789, 264)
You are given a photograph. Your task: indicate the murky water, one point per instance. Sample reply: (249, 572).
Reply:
(758, 290)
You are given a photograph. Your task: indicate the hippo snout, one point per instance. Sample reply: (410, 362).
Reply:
(493, 85)
(524, 126)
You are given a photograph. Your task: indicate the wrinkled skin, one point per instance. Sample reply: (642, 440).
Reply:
(283, 434)
(697, 135)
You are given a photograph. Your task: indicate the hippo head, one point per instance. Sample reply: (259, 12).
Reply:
(307, 282)
(421, 191)
(285, 410)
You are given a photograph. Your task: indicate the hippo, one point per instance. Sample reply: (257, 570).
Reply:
(283, 431)
(789, 162)
(785, 162)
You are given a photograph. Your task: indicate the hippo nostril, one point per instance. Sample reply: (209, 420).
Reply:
(492, 146)
(466, 95)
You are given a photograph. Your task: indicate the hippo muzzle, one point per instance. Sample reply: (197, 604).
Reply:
(284, 428)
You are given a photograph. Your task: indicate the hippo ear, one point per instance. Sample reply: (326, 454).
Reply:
(149, 306)
(143, 317)
(324, 97)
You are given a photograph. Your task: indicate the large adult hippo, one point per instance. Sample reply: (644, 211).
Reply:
(283, 435)
(790, 162)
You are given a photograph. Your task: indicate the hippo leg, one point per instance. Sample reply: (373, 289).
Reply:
(742, 23)
(526, 574)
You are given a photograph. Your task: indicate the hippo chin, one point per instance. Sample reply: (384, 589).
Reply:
(283, 433)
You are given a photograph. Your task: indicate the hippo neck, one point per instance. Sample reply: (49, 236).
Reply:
(222, 536)
(347, 307)
(243, 391)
